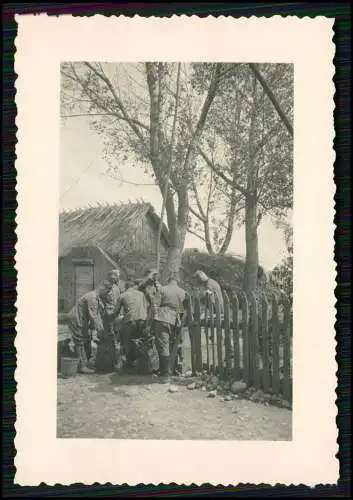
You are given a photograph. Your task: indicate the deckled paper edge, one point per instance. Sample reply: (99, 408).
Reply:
(21, 91)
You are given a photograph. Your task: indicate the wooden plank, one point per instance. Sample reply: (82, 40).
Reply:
(236, 337)
(275, 347)
(265, 347)
(245, 335)
(207, 335)
(213, 345)
(197, 334)
(250, 341)
(84, 280)
(189, 322)
(254, 342)
(227, 336)
(287, 340)
(219, 337)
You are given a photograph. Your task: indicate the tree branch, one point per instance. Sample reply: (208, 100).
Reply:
(209, 195)
(218, 170)
(198, 201)
(115, 115)
(117, 100)
(196, 234)
(196, 214)
(203, 115)
(272, 97)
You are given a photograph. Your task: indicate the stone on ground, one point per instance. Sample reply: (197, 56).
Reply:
(238, 386)
(192, 386)
(173, 388)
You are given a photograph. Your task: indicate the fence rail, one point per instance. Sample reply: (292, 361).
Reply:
(251, 341)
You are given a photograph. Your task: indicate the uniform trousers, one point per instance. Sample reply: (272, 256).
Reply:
(165, 340)
(82, 337)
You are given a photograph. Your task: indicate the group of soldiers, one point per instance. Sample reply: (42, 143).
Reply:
(118, 316)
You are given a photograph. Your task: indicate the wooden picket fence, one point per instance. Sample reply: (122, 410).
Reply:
(251, 341)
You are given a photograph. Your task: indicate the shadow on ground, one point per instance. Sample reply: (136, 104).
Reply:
(115, 380)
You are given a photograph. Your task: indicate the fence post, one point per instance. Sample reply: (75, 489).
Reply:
(245, 335)
(236, 339)
(207, 335)
(264, 347)
(287, 379)
(275, 347)
(219, 336)
(211, 308)
(254, 342)
(191, 329)
(227, 337)
(197, 317)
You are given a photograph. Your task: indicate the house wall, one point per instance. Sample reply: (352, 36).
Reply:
(138, 253)
(66, 285)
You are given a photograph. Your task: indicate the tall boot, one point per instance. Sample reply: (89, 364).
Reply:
(88, 349)
(164, 369)
(82, 368)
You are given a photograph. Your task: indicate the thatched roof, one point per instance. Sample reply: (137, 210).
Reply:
(105, 225)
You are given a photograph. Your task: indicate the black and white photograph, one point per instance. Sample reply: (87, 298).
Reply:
(175, 221)
(175, 254)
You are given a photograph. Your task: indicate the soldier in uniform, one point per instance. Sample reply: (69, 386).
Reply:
(111, 301)
(151, 287)
(211, 289)
(114, 278)
(134, 305)
(118, 287)
(87, 316)
(167, 320)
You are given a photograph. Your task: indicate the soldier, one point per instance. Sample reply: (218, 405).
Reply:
(114, 278)
(151, 287)
(117, 288)
(211, 289)
(134, 305)
(87, 315)
(167, 320)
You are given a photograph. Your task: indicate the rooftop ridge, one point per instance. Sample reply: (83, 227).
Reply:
(104, 204)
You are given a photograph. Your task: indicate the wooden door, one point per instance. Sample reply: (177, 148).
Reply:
(84, 280)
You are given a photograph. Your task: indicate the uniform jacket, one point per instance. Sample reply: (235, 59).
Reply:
(213, 287)
(134, 304)
(111, 301)
(152, 292)
(172, 303)
(87, 313)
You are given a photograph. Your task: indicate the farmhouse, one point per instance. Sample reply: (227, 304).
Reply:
(96, 239)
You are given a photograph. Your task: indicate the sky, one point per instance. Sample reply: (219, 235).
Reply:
(84, 180)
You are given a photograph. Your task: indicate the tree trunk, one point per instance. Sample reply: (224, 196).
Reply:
(208, 241)
(173, 262)
(177, 225)
(252, 251)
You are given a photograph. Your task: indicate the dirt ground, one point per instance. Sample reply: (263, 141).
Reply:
(132, 407)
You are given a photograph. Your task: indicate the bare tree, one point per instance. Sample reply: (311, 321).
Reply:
(258, 160)
(136, 118)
